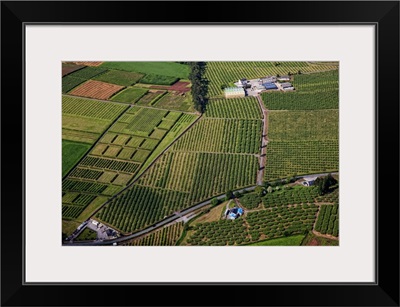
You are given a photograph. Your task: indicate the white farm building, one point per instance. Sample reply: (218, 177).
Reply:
(232, 92)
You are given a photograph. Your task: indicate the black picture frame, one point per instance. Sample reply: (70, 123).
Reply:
(383, 14)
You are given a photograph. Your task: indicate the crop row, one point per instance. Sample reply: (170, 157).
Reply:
(145, 120)
(222, 232)
(331, 197)
(88, 72)
(217, 173)
(80, 186)
(303, 125)
(91, 108)
(295, 196)
(110, 164)
(327, 99)
(71, 211)
(173, 170)
(224, 73)
(301, 157)
(250, 201)
(166, 236)
(142, 206)
(246, 108)
(278, 221)
(86, 173)
(328, 220)
(222, 135)
(69, 82)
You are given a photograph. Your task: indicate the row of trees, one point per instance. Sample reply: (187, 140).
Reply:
(199, 85)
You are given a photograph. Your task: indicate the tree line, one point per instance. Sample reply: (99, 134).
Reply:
(199, 85)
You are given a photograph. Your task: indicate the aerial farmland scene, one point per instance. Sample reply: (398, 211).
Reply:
(200, 153)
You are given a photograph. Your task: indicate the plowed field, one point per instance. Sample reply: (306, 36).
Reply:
(96, 89)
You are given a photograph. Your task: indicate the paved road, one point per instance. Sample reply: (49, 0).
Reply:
(174, 217)
(164, 222)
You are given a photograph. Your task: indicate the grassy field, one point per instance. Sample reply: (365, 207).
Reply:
(72, 152)
(159, 68)
(158, 79)
(285, 241)
(129, 95)
(176, 102)
(86, 234)
(70, 82)
(68, 227)
(212, 216)
(123, 78)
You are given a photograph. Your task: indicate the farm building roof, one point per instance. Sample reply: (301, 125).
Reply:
(234, 90)
(270, 86)
(286, 84)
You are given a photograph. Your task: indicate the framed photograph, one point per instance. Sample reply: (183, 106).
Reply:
(202, 157)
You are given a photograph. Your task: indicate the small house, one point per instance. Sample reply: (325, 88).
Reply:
(234, 213)
(309, 181)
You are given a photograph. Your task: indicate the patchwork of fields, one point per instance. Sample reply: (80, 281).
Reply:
(121, 139)
(206, 161)
(131, 126)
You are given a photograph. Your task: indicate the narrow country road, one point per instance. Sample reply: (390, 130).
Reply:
(177, 215)
(164, 222)
(264, 142)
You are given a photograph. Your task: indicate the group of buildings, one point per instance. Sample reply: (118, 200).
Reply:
(253, 87)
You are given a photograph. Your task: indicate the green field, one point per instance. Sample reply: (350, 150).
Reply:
(72, 152)
(245, 108)
(129, 95)
(175, 102)
(142, 206)
(285, 241)
(88, 72)
(91, 108)
(166, 236)
(222, 135)
(118, 77)
(158, 79)
(328, 222)
(313, 91)
(142, 147)
(84, 120)
(87, 235)
(159, 68)
(69, 82)
(302, 142)
(150, 98)
(202, 174)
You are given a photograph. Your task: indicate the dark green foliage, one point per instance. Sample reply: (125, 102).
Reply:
(215, 201)
(158, 79)
(251, 200)
(229, 195)
(199, 85)
(324, 183)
